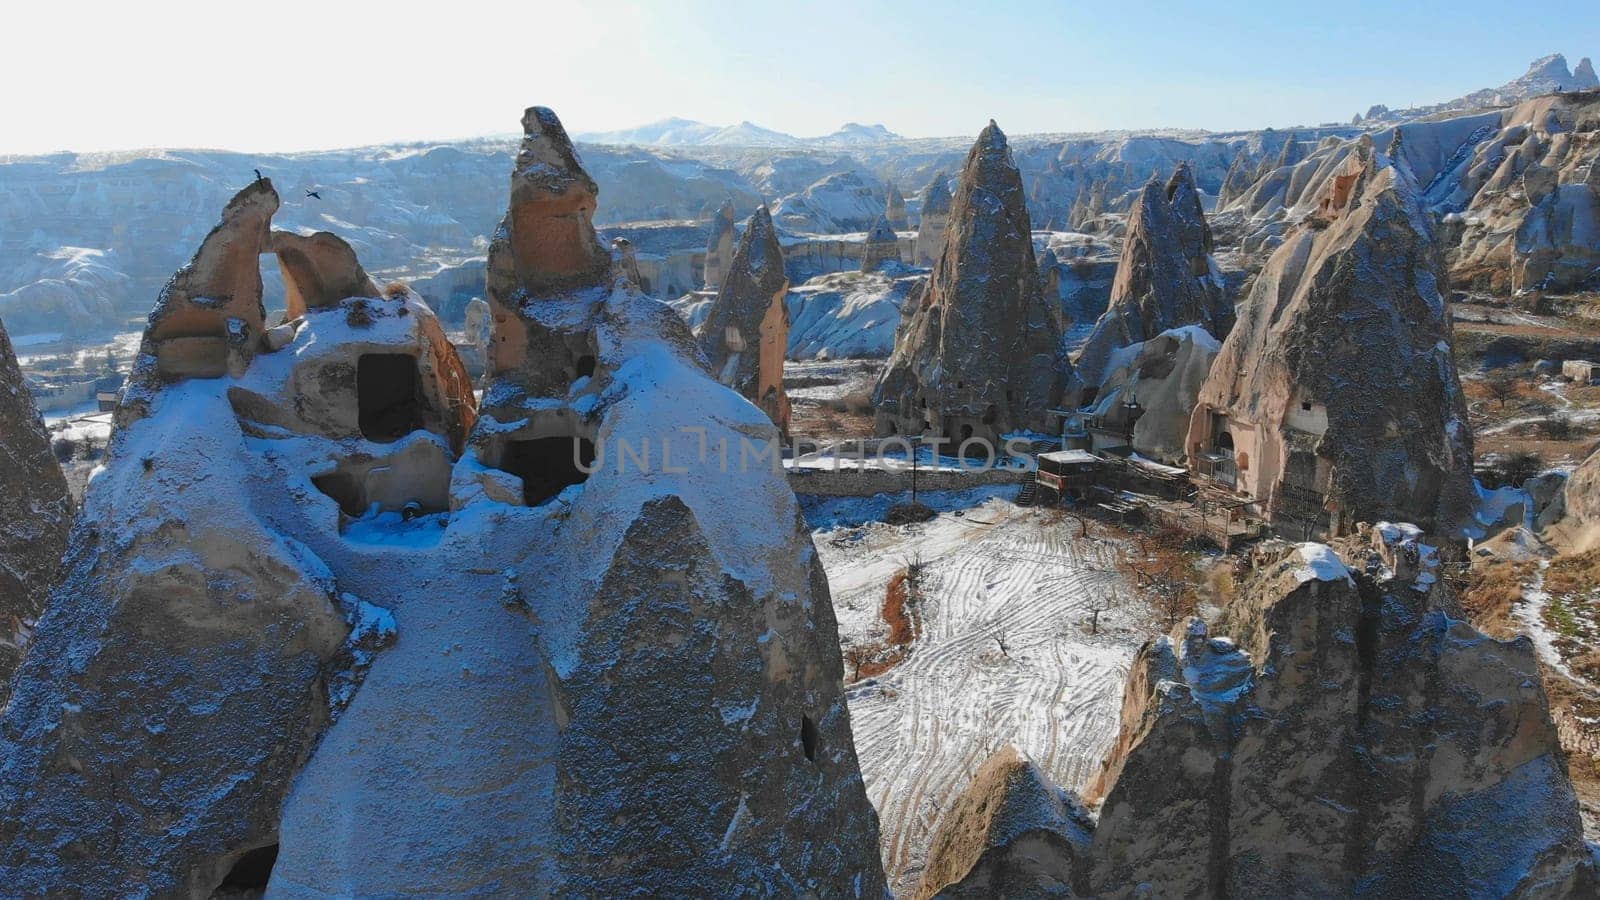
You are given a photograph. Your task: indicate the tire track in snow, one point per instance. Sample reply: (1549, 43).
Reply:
(1003, 657)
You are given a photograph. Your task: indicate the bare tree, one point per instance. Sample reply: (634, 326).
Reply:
(1503, 387)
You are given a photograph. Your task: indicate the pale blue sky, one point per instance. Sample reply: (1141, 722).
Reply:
(293, 74)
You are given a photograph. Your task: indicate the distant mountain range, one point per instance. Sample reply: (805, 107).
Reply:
(677, 132)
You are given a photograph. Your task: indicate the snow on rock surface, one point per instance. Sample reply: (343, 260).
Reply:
(1367, 745)
(35, 515)
(211, 620)
(409, 650)
(645, 656)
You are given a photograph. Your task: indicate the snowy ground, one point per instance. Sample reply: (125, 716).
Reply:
(1004, 655)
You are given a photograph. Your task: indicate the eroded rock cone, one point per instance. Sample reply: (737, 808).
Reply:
(936, 201)
(213, 618)
(634, 688)
(1335, 398)
(547, 240)
(1163, 278)
(1351, 740)
(894, 206)
(981, 355)
(719, 247)
(35, 515)
(1011, 833)
(746, 333)
(882, 246)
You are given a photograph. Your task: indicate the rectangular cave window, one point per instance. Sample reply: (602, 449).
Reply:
(388, 392)
(546, 465)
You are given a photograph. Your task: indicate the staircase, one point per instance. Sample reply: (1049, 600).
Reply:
(1029, 494)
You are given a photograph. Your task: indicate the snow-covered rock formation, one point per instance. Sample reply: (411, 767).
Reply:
(35, 515)
(981, 354)
(1165, 278)
(212, 619)
(1351, 738)
(746, 331)
(328, 632)
(63, 290)
(1148, 392)
(1011, 834)
(1335, 398)
(1336, 733)
(840, 202)
(1524, 210)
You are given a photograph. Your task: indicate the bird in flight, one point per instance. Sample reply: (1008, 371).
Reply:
(313, 194)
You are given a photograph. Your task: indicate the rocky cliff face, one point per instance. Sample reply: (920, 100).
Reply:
(1346, 738)
(35, 515)
(746, 332)
(1336, 397)
(211, 620)
(982, 353)
(1165, 278)
(617, 563)
(328, 631)
(1524, 213)
(1351, 738)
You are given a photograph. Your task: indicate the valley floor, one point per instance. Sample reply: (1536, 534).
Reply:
(1002, 653)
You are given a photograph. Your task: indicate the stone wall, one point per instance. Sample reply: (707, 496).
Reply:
(867, 482)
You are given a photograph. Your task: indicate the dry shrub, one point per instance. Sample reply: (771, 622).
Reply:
(896, 613)
(1574, 573)
(358, 314)
(1492, 589)
(395, 290)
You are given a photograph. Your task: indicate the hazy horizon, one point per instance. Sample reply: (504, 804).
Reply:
(331, 76)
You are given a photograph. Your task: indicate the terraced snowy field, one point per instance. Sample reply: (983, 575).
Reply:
(1004, 655)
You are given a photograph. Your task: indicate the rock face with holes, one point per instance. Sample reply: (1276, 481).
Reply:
(635, 687)
(746, 332)
(1335, 400)
(35, 515)
(1351, 739)
(1011, 834)
(1165, 278)
(982, 353)
(213, 617)
(935, 217)
(719, 249)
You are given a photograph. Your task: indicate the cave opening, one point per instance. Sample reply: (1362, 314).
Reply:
(250, 872)
(389, 394)
(585, 367)
(546, 465)
(345, 491)
(808, 737)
